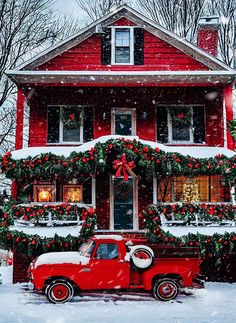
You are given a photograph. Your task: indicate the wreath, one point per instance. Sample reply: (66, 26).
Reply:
(181, 117)
(232, 128)
(123, 189)
(72, 117)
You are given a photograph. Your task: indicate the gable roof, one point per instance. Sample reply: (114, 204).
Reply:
(126, 12)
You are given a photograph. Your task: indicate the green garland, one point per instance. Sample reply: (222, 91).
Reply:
(217, 245)
(207, 212)
(148, 162)
(34, 244)
(210, 246)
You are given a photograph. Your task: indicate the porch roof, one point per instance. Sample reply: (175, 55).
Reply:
(196, 151)
(110, 78)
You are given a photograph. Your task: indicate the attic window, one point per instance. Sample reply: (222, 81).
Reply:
(122, 46)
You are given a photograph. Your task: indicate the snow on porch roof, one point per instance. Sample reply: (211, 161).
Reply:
(113, 77)
(197, 152)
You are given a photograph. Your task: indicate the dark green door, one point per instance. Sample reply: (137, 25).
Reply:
(123, 204)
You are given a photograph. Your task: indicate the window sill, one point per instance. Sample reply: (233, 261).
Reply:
(185, 144)
(65, 144)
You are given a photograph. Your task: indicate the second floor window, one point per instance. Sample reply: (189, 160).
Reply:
(180, 124)
(123, 121)
(65, 124)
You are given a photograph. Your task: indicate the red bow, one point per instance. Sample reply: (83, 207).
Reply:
(124, 167)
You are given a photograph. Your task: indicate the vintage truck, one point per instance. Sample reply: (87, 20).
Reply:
(109, 262)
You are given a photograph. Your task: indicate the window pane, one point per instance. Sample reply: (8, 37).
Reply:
(71, 123)
(180, 134)
(53, 124)
(123, 124)
(181, 122)
(122, 38)
(107, 251)
(122, 55)
(164, 190)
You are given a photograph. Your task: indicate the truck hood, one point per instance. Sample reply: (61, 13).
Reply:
(68, 257)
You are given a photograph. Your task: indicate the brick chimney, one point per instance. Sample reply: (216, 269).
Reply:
(208, 34)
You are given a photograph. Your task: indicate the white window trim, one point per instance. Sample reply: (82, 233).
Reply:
(135, 204)
(113, 45)
(115, 111)
(60, 142)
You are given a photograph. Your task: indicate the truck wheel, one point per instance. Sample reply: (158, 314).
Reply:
(59, 291)
(141, 256)
(165, 289)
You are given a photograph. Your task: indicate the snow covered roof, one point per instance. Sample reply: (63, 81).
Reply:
(115, 237)
(139, 19)
(196, 151)
(129, 77)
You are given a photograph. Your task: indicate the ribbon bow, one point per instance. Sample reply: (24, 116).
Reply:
(123, 167)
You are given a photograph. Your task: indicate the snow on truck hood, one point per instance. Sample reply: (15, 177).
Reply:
(68, 257)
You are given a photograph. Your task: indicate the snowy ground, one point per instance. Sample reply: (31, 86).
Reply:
(216, 304)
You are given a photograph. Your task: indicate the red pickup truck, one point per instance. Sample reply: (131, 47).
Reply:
(109, 262)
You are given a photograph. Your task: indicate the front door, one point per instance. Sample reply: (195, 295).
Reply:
(123, 204)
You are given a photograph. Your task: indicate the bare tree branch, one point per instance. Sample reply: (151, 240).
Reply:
(26, 26)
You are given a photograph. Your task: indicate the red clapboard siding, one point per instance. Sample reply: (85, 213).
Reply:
(123, 22)
(158, 55)
(214, 122)
(38, 124)
(103, 202)
(143, 99)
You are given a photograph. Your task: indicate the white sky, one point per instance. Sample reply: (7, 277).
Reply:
(67, 6)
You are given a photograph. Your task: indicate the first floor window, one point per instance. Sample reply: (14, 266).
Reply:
(180, 124)
(187, 190)
(65, 124)
(64, 192)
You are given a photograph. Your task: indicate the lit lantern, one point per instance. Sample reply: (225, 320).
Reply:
(44, 193)
(73, 193)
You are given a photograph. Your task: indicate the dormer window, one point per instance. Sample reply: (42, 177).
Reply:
(122, 45)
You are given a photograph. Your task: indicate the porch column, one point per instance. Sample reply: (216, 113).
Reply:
(154, 190)
(19, 119)
(228, 107)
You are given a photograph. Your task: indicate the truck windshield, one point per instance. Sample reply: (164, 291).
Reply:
(86, 248)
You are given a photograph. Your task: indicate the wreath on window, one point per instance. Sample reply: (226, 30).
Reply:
(232, 128)
(72, 118)
(123, 190)
(180, 117)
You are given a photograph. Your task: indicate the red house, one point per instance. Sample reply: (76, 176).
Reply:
(124, 76)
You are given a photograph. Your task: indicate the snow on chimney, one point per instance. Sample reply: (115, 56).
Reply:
(208, 34)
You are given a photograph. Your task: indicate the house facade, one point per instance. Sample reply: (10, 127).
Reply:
(124, 78)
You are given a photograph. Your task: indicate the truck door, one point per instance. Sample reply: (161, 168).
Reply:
(109, 271)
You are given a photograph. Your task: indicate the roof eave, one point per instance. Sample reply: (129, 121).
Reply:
(112, 78)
